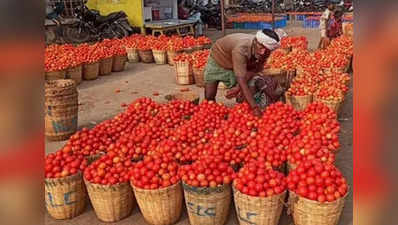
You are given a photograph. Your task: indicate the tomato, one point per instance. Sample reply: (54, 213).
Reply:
(63, 163)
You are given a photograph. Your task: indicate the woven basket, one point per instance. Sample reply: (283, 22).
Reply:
(189, 50)
(184, 73)
(207, 206)
(111, 203)
(308, 212)
(61, 109)
(56, 75)
(75, 73)
(199, 77)
(132, 55)
(119, 63)
(334, 105)
(257, 210)
(161, 206)
(106, 66)
(91, 71)
(171, 55)
(160, 56)
(65, 197)
(198, 48)
(146, 56)
(184, 96)
(298, 102)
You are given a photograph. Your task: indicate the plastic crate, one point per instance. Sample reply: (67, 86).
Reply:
(264, 25)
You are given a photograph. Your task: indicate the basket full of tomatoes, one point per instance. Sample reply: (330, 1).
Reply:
(107, 182)
(157, 188)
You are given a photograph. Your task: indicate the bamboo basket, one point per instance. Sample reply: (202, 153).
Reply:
(61, 109)
(91, 71)
(65, 197)
(171, 55)
(106, 66)
(184, 96)
(91, 158)
(55, 75)
(184, 73)
(160, 206)
(308, 212)
(132, 55)
(146, 56)
(160, 56)
(334, 105)
(199, 77)
(75, 73)
(198, 48)
(298, 102)
(119, 63)
(189, 50)
(207, 206)
(257, 210)
(111, 203)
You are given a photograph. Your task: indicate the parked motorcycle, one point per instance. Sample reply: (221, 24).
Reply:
(91, 26)
(210, 14)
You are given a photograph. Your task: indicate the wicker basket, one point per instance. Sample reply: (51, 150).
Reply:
(91, 71)
(198, 48)
(171, 55)
(106, 66)
(184, 73)
(207, 206)
(308, 212)
(334, 105)
(257, 210)
(91, 158)
(56, 75)
(132, 55)
(146, 56)
(298, 102)
(75, 73)
(161, 206)
(119, 63)
(160, 56)
(111, 203)
(189, 50)
(65, 197)
(199, 77)
(61, 109)
(184, 96)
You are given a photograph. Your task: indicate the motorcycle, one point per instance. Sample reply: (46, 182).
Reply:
(210, 14)
(91, 26)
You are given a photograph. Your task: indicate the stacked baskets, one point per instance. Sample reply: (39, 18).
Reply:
(61, 109)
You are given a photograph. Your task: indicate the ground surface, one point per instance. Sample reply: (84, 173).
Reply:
(100, 100)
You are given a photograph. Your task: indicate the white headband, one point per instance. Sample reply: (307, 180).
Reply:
(267, 41)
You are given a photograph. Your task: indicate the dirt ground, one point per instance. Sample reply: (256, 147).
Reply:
(100, 99)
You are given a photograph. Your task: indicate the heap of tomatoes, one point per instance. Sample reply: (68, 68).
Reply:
(203, 40)
(183, 57)
(154, 172)
(63, 163)
(330, 93)
(110, 169)
(255, 179)
(207, 172)
(299, 42)
(200, 58)
(317, 181)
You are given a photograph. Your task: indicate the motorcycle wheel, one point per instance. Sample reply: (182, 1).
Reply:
(74, 35)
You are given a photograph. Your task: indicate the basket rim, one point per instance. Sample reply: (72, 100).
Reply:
(156, 190)
(258, 197)
(67, 178)
(205, 190)
(106, 186)
(316, 202)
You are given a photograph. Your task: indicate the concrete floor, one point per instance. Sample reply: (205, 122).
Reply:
(100, 99)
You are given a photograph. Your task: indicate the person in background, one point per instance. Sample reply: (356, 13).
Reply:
(324, 21)
(335, 26)
(236, 60)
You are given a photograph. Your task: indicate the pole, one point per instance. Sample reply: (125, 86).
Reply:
(222, 18)
(273, 14)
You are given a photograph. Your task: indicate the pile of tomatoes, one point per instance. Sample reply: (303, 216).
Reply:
(207, 172)
(299, 42)
(184, 57)
(64, 163)
(255, 179)
(203, 40)
(200, 58)
(317, 181)
(154, 172)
